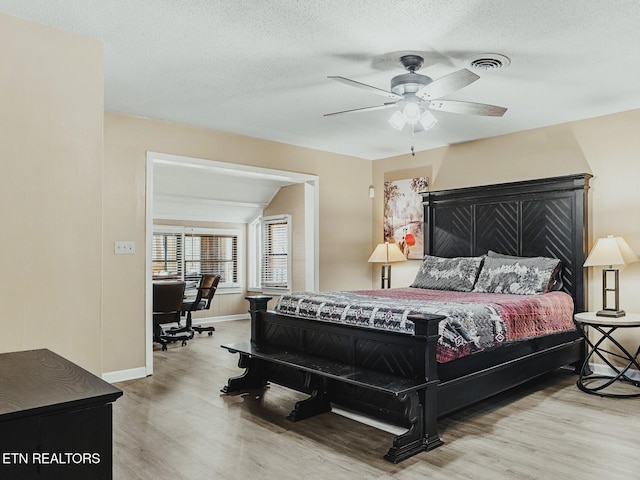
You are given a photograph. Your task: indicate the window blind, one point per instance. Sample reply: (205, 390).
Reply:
(211, 254)
(275, 253)
(166, 256)
(187, 256)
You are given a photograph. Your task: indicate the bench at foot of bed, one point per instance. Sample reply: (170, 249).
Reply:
(422, 435)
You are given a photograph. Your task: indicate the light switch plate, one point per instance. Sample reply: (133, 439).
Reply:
(125, 247)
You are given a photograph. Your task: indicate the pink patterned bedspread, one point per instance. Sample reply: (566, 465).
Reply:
(475, 321)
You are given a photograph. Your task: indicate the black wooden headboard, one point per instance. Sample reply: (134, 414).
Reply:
(546, 217)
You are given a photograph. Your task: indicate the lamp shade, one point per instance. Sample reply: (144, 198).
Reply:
(610, 251)
(387, 253)
(397, 121)
(427, 121)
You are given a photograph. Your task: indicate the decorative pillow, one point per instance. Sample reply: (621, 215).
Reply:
(438, 273)
(522, 276)
(556, 278)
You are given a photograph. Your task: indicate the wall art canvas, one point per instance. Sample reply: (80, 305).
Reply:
(403, 215)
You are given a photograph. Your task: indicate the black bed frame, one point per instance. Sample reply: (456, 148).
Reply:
(545, 217)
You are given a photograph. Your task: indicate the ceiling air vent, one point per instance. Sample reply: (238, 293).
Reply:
(488, 61)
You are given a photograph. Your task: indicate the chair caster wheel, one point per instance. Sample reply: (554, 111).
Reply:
(164, 348)
(211, 334)
(184, 342)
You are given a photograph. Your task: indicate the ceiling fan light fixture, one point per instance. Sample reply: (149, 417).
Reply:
(411, 113)
(397, 121)
(428, 120)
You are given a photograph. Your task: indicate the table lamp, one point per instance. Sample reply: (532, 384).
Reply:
(610, 251)
(386, 253)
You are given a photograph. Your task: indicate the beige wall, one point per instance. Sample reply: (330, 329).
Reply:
(344, 214)
(51, 119)
(290, 201)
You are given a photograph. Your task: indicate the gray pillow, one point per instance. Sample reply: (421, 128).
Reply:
(439, 273)
(556, 280)
(522, 276)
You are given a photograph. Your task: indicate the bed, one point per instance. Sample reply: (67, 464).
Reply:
(539, 218)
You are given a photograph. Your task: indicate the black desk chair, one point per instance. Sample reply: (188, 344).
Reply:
(202, 301)
(167, 307)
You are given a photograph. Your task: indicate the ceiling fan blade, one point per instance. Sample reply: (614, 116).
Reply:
(447, 84)
(364, 109)
(469, 108)
(369, 88)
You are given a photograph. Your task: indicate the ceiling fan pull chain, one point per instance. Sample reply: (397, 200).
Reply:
(413, 135)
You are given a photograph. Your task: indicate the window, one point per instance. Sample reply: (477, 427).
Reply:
(213, 254)
(165, 255)
(186, 254)
(275, 261)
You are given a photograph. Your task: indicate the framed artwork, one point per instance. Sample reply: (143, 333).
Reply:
(403, 222)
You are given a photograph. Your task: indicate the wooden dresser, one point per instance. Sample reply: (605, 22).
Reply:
(55, 418)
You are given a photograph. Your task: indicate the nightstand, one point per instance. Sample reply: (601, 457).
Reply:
(606, 327)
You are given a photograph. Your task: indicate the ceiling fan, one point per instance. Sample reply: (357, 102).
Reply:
(415, 95)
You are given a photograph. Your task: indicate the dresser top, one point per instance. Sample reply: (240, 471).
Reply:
(40, 381)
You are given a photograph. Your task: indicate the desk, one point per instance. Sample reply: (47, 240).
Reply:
(55, 419)
(606, 326)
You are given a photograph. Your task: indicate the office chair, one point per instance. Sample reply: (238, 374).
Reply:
(202, 301)
(167, 307)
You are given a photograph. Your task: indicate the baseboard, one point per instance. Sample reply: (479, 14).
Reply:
(222, 318)
(141, 372)
(124, 375)
(601, 369)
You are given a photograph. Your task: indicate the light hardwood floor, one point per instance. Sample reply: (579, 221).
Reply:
(177, 425)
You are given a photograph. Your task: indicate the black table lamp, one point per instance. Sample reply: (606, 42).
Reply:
(607, 252)
(386, 253)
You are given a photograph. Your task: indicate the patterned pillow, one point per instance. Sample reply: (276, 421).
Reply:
(556, 279)
(438, 273)
(522, 276)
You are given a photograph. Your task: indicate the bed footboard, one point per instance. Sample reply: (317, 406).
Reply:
(392, 376)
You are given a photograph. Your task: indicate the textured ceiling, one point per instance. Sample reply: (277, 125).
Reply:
(259, 68)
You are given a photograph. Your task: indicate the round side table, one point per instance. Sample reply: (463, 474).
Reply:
(606, 326)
